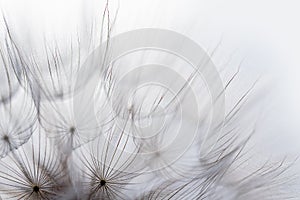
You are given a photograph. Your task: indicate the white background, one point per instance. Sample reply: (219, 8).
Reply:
(267, 32)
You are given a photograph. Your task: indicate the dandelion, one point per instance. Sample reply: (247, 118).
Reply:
(34, 171)
(132, 142)
(61, 125)
(15, 129)
(106, 166)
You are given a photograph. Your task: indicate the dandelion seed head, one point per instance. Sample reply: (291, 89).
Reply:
(142, 137)
(72, 130)
(36, 189)
(5, 138)
(102, 182)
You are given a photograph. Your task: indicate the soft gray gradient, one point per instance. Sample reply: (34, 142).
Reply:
(264, 33)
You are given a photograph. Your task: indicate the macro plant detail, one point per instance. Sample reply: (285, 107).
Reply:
(144, 114)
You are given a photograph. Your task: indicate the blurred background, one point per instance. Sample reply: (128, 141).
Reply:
(263, 35)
